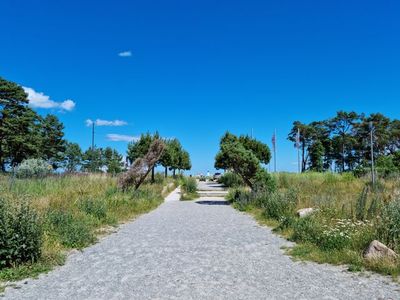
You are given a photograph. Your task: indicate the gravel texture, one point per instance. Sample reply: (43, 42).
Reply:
(197, 250)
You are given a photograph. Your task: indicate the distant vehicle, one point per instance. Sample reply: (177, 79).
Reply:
(217, 176)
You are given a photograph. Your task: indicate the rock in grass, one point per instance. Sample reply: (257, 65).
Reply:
(304, 212)
(377, 250)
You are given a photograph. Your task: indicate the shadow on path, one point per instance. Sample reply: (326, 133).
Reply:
(213, 202)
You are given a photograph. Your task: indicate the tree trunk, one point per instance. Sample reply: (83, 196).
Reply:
(173, 172)
(152, 175)
(166, 172)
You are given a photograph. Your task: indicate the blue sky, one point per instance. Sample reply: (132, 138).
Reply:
(199, 68)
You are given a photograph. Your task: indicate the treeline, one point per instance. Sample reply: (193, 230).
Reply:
(174, 157)
(343, 143)
(24, 134)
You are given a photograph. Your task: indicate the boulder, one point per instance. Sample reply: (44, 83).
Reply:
(304, 212)
(377, 250)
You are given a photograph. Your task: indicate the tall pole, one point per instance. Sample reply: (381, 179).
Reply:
(372, 152)
(92, 135)
(298, 150)
(275, 151)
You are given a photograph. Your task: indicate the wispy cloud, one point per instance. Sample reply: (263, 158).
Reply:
(121, 138)
(40, 100)
(125, 53)
(100, 122)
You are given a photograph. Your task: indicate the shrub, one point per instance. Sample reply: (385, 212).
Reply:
(231, 179)
(263, 182)
(20, 235)
(306, 230)
(189, 185)
(278, 205)
(72, 230)
(33, 168)
(241, 198)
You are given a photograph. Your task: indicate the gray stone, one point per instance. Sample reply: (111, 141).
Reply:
(304, 212)
(377, 250)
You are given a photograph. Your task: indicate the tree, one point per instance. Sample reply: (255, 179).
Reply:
(317, 152)
(259, 149)
(140, 148)
(53, 143)
(113, 161)
(243, 156)
(342, 125)
(175, 150)
(12, 99)
(141, 167)
(184, 161)
(93, 160)
(72, 156)
(166, 159)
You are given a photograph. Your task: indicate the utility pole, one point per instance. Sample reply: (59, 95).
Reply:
(371, 127)
(298, 150)
(92, 135)
(274, 144)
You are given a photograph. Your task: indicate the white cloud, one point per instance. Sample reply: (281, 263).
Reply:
(100, 122)
(125, 54)
(40, 100)
(121, 138)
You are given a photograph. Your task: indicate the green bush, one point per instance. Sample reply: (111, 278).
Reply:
(20, 235)
(189, 185)
(231, 179)
(73, 231)
(33, 168)
(263, 182)
(241, 198)
(279, 205)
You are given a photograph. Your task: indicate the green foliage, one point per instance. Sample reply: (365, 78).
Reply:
(244, 156)
(263, 182)
(344, 142)
(93, 160)
(72, 156)
(20, 234)
(230, 179)
(188, 188)
(96, 208)
(317, 152)
(72, 230)
(24, 133)
(113, 161)
(389, 225)
(33, 168)
(279, 205)
(241, 198)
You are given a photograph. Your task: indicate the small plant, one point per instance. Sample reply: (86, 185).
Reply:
(389, 225)
(33, 168)
(230, 179)
(188, 188)
(20, 235)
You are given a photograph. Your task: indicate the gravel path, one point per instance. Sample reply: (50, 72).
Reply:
(197, 250)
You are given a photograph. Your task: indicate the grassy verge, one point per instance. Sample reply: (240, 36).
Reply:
(349, 215)
(73, 211)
